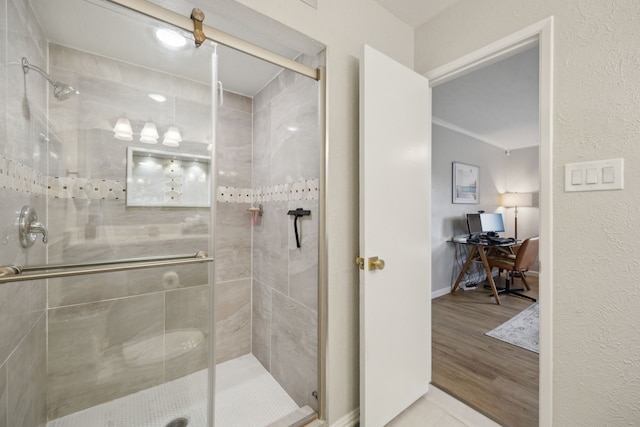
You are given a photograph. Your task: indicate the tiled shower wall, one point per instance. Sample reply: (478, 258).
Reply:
(113, 334)
(127, 329)
(286, 151)
(233, 232)
(22, 304)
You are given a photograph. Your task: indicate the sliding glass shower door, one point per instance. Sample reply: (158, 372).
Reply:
(116, 163)
(127, 164)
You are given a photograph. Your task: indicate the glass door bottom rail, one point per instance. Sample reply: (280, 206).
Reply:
(246, 395)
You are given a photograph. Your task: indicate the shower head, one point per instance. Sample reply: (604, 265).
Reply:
(61, 91)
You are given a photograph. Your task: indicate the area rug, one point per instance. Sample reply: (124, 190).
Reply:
(521, 330)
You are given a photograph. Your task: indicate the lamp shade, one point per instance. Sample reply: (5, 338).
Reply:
(510, 200)
(172, 137)
(122, 130)
(149, 133)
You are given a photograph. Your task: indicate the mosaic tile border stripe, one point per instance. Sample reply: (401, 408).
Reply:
(86, 188)
(18, 177)
(300, 190)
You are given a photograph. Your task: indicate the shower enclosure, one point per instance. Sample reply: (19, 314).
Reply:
(152, 154)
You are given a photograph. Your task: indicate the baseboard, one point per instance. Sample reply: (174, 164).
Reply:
(439, 292)
(350, 420)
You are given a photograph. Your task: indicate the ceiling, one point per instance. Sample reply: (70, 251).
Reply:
(497, 104)
(415, 12)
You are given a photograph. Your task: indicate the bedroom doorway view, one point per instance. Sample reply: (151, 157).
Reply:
(489, 119)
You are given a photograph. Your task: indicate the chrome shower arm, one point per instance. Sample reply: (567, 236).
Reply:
(61, 91)
(26, 66)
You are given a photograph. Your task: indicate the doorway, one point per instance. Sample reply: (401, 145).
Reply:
(540, 34)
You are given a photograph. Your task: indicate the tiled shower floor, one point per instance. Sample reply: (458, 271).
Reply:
(246, 395)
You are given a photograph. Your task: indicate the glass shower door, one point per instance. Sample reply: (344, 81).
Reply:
(109, 129)
(123, 158)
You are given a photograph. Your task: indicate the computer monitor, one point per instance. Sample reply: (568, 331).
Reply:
(473, 224)
(491, 222)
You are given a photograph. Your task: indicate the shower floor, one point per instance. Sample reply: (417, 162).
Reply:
(246, 395)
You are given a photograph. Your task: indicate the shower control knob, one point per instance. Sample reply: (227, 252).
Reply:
(29, 227)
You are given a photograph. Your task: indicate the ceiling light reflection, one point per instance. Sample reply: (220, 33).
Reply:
(157, 97)
(170, 38)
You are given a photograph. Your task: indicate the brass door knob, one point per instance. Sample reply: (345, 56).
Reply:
(376, 264)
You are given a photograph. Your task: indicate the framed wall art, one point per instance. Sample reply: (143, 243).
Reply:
(466, 183)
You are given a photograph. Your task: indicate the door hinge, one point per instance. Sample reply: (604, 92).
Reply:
(360, 263)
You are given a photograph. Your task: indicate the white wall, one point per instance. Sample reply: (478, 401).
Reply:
(343, 26)
(596, 304)
(449, 219)
(523, 176)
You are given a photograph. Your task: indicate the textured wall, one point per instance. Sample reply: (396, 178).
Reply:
(596, 304)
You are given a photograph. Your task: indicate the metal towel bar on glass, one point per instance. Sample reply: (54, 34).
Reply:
(12, 273)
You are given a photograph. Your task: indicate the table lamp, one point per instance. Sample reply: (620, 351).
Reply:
(515, 200)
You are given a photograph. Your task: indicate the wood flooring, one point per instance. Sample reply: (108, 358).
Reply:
(498, 379)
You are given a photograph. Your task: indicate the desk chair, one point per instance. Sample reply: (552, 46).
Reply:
(524, 259)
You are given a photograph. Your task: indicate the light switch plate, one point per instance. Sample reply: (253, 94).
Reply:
(594, 176)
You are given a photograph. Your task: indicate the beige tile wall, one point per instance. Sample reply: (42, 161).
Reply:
(114, 334)
(104, 350)
(285, 278)
(26, 405)
(22, 306)
(233, 230)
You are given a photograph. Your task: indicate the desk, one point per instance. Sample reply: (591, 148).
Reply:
(480, 250)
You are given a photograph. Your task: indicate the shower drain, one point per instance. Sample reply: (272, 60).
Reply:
(178, 422)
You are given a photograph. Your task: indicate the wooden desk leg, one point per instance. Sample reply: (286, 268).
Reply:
(474, 249)
(485, 262)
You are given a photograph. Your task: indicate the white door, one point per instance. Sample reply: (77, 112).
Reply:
(395, 183)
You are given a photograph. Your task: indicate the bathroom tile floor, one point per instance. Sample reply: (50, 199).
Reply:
(247, 395)
(438, 409)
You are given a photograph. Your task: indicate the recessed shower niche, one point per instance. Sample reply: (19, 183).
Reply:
(161, 178)
(138, 345)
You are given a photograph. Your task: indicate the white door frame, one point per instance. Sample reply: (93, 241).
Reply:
(541, 33)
